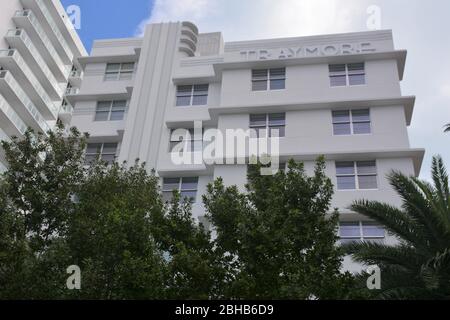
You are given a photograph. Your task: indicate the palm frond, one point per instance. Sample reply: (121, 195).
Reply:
(374, 253)
(392, 218)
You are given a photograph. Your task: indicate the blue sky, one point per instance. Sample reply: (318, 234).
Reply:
(102, 19)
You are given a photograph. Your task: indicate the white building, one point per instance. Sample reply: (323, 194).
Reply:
(39, 49)
(334, 95)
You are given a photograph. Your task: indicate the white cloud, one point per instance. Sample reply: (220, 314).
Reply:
(239, 19)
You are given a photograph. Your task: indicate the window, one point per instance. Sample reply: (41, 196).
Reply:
(347, 74)
(192, 95)
(268, 79)
(347, 122)
(361, 231)
(263, 124)
(110, 110)
(103, 151)
(192, 143)
(356, 175)
(119, 71)
(186, 186)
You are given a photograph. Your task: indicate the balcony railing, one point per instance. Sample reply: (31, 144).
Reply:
(26, 102)
(75, 74)
(13, 117)
(55, 29)
(14, 54)
(71, 91)
(65, 69)
(20, 33)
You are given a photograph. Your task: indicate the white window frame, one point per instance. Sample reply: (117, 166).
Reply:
(347, 75)
(268, 78)
(267, 125)
(120, 72)
(361, 236)
(179, 189)
(192, 95)
(356, 175)
(352, 122)
(111, 104)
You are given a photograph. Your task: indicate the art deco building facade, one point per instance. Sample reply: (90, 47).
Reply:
(333, 95)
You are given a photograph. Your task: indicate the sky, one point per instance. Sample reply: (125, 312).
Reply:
(420, 26)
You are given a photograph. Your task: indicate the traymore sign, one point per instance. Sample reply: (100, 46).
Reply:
(233, 146)
(308, 51)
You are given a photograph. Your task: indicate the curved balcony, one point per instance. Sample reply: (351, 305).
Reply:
(13, 61)
(188, 39)
(18, 38)
(26, 110)
(26, 19)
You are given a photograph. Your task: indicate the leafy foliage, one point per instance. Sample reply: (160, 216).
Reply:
(279, 240)
(419, 267)
(276, 241)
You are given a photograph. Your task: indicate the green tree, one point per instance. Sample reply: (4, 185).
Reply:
(279, 238)
(56, 212)
(419, 266)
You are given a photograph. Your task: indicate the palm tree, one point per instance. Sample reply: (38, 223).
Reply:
(419, 266)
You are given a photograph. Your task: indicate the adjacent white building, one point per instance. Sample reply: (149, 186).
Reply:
(39, 49)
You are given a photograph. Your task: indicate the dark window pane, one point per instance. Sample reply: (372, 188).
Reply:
(183, 101)
(258, 120)
(361, 115)
(277, 84)
(346, 183)
(372, 230)
(260, 74)
(200, 100)
(101, 116)
(349, 230)
(259, 85)
(94, 148)
(341, 128)
(355, 80)
(341, 116)
(338, 81)
(355, 67)
(366, 167)
(109, 148)
(277, 119)
(337, 67)
(113, 67)
(170, 184)
(345, 167)
(201, 89)
(189, 183)
(278, 73)
(367, 182)
(117, 115)
(361, 127)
